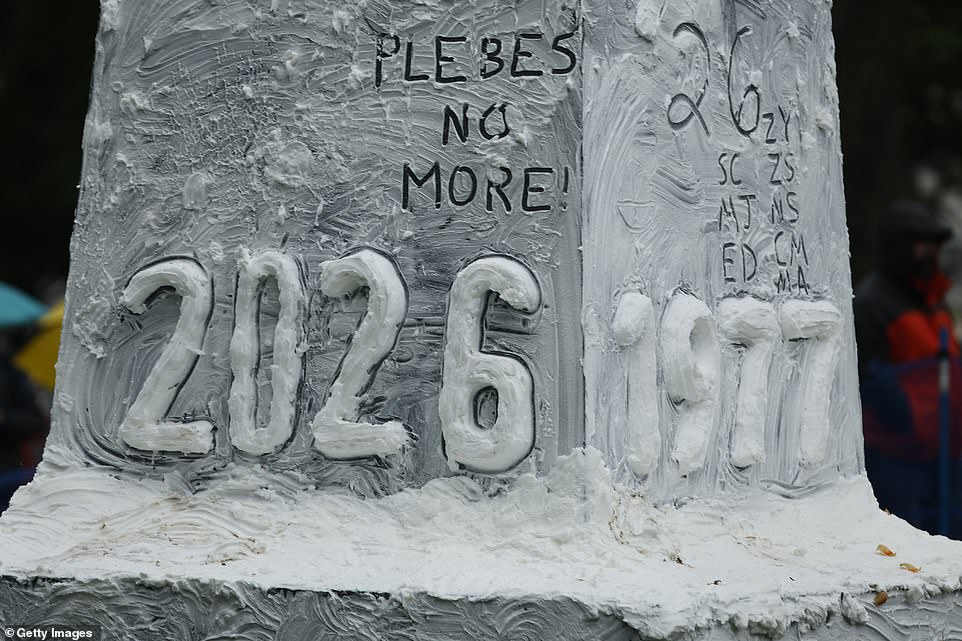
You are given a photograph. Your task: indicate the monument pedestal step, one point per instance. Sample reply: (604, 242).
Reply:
(569, 556)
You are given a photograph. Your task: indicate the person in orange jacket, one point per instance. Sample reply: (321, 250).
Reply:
(902, 329)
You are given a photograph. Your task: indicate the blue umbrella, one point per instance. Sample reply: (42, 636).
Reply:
(17, 308)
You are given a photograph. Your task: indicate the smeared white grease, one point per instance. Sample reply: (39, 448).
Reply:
(820, 322)
(754, 563)
(634, 329)
(337, 432)
(691, 363)
(468, 371)
(754, 324)
(648, 18)
(145, 426)
(245, 349)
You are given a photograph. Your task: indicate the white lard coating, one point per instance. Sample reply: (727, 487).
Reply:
(468, 370)
(305, 153)
(663, 161)
(819, 322)
(233, 125)
(755, 324)
(690, 362)
(337, 432)
(633, 326)
(753, 562)
(145, 426)
(245, 351)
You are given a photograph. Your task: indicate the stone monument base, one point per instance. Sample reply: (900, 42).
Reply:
(569, 556)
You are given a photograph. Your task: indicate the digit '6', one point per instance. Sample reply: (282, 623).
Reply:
(468, 371)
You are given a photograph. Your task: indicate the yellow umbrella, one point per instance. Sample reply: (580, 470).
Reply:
(38, 358)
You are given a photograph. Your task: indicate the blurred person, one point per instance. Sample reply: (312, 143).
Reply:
(900, 319)
(23, 424)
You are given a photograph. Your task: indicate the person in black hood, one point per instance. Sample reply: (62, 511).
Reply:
(902, 326)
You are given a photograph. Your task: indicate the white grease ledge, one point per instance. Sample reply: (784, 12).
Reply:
(754, 561)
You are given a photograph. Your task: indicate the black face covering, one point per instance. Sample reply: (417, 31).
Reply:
(923, 268)
(900, 227)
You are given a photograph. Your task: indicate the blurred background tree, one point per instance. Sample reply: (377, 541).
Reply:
(900, 85)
